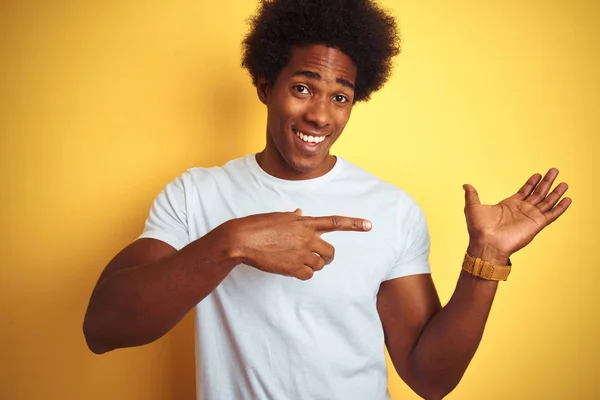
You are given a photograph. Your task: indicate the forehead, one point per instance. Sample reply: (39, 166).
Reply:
(330, 63)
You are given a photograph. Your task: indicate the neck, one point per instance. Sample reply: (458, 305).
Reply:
(275, 165)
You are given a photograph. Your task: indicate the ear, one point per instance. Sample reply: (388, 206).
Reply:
(263, 89)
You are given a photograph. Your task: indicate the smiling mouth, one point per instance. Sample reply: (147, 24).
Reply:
(308, 139)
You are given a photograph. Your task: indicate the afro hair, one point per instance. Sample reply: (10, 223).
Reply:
(359, 28)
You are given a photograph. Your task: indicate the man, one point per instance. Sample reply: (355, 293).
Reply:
(231, 241)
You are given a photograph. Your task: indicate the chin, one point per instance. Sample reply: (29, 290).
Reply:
(298, 162)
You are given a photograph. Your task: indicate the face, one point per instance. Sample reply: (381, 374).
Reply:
(308, 107)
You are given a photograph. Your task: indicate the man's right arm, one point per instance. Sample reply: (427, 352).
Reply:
(149, 287)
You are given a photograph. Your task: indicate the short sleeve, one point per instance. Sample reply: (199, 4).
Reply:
(414, 242)
(168, 221)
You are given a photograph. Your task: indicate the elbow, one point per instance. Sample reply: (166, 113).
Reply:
(434, 383)
(435, 390)
(96, 344)
(101, 338)
(97, 347)
(435, 393)
(94, 339)
(434, 387)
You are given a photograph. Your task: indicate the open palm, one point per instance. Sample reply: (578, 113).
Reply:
(513, 223)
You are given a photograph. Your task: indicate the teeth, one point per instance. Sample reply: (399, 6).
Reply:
(310, 139)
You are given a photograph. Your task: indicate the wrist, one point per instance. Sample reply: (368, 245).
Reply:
(487, 253)
(233, 245)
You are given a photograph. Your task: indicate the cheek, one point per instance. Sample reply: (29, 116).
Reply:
(289, 113)
(293, 108)
(341, 119)
(278, 106)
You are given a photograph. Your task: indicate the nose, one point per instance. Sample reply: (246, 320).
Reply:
(318, 113)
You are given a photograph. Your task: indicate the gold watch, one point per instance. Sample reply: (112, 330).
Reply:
(486, 270)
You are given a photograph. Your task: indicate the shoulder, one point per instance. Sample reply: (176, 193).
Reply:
(205, 177)
(372, 185)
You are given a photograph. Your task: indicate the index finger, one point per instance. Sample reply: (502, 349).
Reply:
(339, 223)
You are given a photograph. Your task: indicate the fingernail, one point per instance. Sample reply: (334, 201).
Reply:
(367, 224)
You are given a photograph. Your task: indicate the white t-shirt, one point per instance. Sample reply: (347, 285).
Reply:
(266, 336)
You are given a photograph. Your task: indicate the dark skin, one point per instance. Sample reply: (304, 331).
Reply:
(430, 346)
(313, 94)
(151, 275)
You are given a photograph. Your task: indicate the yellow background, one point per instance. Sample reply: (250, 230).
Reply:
(102, 103)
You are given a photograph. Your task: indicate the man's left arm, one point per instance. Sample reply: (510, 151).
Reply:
(431, 346)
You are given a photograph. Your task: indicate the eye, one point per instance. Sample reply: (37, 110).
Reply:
(301, 89)
(338, 98)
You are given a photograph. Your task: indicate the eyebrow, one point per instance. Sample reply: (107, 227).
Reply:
(317, 76)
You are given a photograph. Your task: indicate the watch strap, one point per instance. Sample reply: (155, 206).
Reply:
(486, 270)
